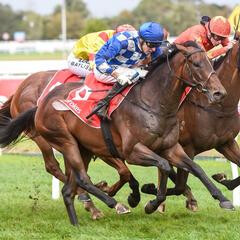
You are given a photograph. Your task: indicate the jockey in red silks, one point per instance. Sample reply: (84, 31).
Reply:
(212, 35)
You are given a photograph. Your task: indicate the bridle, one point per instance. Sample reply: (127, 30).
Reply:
(199, 86)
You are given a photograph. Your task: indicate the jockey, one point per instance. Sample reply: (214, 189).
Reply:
(116, 62)
(212, 35)
(80, 60)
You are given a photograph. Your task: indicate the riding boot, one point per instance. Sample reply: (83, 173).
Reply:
(102, 112)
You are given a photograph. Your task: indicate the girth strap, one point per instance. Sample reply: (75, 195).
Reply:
(107, 135)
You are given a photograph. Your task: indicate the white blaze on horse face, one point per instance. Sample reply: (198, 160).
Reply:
(83, 93)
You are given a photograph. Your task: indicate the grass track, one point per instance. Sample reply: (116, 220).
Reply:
(27, 211)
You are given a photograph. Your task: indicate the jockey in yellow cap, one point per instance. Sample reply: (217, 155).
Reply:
(80, 60)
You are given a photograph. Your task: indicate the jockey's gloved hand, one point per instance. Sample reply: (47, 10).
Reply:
(122, 79)
(128, 78)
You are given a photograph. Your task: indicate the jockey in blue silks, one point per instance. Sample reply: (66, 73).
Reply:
(118, 60)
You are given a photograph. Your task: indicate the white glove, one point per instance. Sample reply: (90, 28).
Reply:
(123, 79)
(126, 78)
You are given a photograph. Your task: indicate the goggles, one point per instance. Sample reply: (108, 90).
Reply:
(217, 38)
(152, 44)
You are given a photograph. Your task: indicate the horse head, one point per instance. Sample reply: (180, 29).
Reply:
(198, 72)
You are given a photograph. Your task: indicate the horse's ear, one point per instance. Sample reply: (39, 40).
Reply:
(182, 49)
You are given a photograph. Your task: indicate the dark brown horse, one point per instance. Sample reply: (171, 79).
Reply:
(204, 127)
(145, 122)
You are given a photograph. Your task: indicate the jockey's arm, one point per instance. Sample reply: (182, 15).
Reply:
(108, 51)
(220, 49)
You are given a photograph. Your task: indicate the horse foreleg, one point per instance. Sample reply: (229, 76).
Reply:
(143, 156)
(230, 151)
(68, 193)
(125, 176)
(179, 179)
(181, 187)
(178, 158)
(88, 204)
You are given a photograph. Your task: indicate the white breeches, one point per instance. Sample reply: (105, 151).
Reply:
(106, 78)
(78, 66)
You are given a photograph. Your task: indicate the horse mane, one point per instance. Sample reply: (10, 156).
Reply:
(172, 52)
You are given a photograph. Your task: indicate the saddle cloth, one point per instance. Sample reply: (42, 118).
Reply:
(184, 95)
(60, 77)
(81, 101)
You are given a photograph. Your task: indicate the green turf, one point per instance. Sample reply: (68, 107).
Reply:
(27, 211)
(32, 56)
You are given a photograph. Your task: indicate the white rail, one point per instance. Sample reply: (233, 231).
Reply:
(23, 68)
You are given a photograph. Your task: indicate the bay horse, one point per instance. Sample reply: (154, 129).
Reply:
(25, 98)
(145, 123)
(204, 127)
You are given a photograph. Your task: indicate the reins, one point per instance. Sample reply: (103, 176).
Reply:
(220, 113)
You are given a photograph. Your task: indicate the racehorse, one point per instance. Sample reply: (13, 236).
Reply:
(204, 127)
(145, 122)
(25, 98)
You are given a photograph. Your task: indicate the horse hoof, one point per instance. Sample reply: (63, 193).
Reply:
(97, 215)
(162, 208)
(121, 209)
(192, 205)
(133, 201)
(227, 205)
(219, 177)
(149, 188)
(149, 208)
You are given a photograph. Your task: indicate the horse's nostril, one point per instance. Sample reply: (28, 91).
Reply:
(219, 95)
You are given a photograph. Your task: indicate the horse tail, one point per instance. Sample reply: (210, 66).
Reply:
(5, 109)
(11, 129)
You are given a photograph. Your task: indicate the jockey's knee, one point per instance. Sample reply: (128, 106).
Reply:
(78, 66)
(104, 78)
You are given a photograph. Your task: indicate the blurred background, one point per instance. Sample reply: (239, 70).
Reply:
(67, 20)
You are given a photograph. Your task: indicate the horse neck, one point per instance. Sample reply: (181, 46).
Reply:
(162, 91)
(229, 75)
